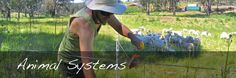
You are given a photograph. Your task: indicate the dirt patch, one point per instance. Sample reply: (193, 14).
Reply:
(167, 19)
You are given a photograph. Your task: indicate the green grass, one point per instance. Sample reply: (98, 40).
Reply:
(215, 24)
(45, 34)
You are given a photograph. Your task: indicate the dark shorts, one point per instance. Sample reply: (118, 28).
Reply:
(66, 73)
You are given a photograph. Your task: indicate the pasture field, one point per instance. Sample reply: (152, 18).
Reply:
(14, 33)
(44, 34)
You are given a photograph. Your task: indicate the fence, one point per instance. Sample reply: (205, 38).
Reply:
(151, 64)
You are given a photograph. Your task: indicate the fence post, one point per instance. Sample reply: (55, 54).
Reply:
(144, 70)
(117, 54)
(225, 70)
(188, 64)
(55, 24)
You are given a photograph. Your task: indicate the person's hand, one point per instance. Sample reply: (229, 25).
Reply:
(136, 41)
(134, 61)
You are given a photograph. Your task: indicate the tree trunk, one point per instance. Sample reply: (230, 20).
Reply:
(208, 7)
(18, 14)
(31, 14)
(217, 6)
(53, 13)
(157, 6)
(2, 12)
(8, 14)
(174, 7)
(25, 12)
(148, 7)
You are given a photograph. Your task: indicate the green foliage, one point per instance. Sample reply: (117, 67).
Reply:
(133, 10)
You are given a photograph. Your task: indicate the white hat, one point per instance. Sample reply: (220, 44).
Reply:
(112, 6)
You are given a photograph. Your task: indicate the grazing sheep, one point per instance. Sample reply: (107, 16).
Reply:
(188, 46)
(185, 30)
(136, 31)
(176, 39)
(139, 30)
(142, 28)
(233, 33)
(156, 40)
(197, 43)
(196, 33)
(180, 33)
(169, 40)
(229, 40)
(167, 30)
(224, 35)
(206, 34)
(189, 39)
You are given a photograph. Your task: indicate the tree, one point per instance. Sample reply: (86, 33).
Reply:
(17, 5)
(63, 7)
(6, 9)
(148, 5)
(54, 7)
(173, 6)
(207, 6)
(32, 6)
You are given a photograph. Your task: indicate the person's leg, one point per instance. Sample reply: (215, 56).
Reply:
(66, 73)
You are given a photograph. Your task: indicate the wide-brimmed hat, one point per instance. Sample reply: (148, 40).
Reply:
(112, 6)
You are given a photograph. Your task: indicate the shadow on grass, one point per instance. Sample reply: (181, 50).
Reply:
(154, 57)
(39, 48)
(12, 59)
(231, 14)
(194, 15)
(1, 39)
(34, 21)
(30, 42)
(5, 22)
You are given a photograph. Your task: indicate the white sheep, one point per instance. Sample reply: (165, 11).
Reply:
(188, 46)
(233, 33)
(167, 30)
(135, 31)
(139, 30)
(205, 33)
(185, 30)
(224, 35)
(197, 43)
(168, 39)
(180, 33)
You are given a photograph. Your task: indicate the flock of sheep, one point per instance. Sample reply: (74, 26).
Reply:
(169, 40)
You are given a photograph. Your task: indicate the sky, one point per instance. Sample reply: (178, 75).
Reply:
(79, 1)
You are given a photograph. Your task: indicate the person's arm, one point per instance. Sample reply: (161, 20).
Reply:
(125, 31)
(86, 36)
(119, 27)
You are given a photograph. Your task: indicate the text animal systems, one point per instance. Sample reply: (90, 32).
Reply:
(25, 65)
